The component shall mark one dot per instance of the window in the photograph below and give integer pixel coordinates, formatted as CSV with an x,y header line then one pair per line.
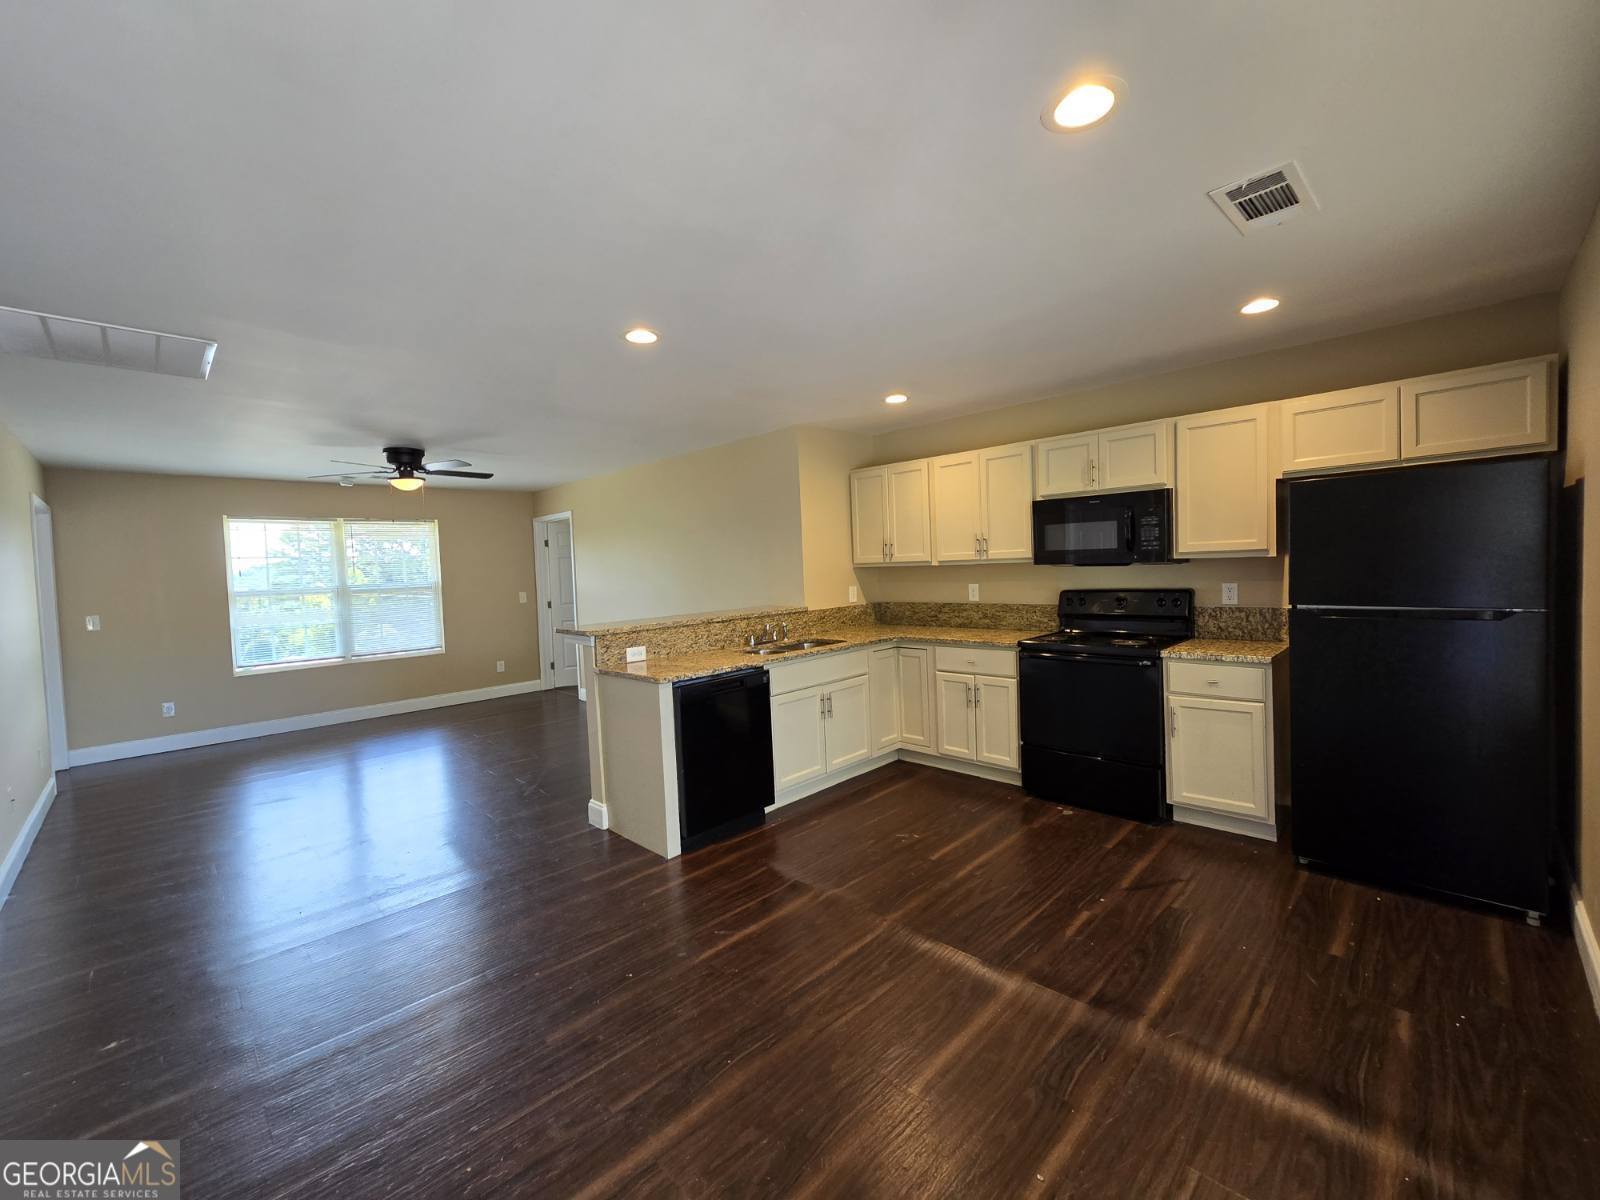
x,y
307,593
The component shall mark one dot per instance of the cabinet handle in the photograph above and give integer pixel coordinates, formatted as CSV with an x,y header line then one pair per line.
x,y
1174,713
891,551
977,695
1094,473
1213,683
986,546
822,706
830,706
969,695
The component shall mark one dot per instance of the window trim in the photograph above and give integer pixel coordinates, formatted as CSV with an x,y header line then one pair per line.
x,y
341,590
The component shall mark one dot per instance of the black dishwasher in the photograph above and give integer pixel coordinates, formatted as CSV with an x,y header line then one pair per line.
x,y
724,755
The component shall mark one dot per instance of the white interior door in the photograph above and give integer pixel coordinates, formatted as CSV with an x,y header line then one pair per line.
x,y
565,578
44,563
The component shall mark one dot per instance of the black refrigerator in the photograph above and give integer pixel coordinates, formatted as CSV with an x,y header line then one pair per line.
x,y
1421,731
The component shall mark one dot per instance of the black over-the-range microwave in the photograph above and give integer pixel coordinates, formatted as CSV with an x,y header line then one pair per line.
x,y
1104,531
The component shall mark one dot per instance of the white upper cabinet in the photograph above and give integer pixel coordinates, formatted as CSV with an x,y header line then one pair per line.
x,y
909,529
1226,503
1509,407
1131,458
1354,427
956,508
1005,496
889,513
1136,457
869,515
983,505
1066,464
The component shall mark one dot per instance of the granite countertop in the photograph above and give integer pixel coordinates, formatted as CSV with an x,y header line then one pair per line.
x,y
735,614
671,668
1225,650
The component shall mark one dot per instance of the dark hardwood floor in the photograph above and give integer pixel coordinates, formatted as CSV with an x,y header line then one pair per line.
x,y
393,959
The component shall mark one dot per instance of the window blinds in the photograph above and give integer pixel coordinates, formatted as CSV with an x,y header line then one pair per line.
x,y
308,592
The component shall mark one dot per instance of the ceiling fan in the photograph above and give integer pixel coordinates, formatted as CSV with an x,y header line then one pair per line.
x,y
406,470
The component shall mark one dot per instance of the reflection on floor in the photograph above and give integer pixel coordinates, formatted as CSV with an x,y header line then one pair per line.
x,y
393,958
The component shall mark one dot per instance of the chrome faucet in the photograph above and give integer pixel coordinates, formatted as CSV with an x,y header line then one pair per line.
x,y
769,635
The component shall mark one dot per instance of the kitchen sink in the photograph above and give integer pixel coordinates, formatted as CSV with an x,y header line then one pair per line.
x,y
789,647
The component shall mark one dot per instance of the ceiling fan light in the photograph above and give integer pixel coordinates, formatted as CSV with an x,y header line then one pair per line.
x,y
405,483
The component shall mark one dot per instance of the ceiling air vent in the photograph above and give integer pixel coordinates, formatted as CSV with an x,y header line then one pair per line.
x,y
69,339
1267,199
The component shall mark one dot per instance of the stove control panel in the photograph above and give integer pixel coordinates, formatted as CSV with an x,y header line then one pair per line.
x,y
1129,602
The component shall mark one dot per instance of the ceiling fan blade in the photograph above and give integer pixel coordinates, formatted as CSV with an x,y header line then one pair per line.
x,y
370,466
350,475
464,474
447,464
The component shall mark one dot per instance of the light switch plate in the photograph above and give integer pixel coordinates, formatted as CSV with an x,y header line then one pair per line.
x,y
500,665
972,591
92,624
522,597
1230,593
854,593
635,653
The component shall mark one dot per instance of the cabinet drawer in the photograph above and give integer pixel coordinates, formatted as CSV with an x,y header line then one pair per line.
x,y
1229,680
814,670
976,660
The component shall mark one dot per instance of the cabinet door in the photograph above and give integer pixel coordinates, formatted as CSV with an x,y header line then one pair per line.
x,y
957,514
1225,495
908,512
996,713
953,697
1005,476
916,697
883,681
1340,429
1503,407
869,515
1218,755
1063,466
848,731
798,751
1139,456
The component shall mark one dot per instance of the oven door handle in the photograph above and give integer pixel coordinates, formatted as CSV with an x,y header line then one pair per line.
x,y
1113,660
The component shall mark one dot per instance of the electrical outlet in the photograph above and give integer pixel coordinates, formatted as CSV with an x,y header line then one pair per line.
x,y
522,597
1230,593
972,591
854,593
168,709
500,666
92,624
635,653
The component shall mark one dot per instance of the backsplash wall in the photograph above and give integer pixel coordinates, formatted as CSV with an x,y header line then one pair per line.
x,y
1262,581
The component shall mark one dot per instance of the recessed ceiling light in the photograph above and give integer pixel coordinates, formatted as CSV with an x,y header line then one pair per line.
x,y
640,336
1260,304
897,398
1086,103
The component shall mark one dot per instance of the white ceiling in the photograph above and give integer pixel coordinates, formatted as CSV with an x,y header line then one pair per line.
x,y
433,221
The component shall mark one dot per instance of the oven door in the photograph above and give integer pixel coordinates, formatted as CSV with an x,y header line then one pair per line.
x,y
1085,531
1084,704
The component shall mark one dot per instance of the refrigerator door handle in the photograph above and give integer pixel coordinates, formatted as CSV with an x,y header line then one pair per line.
x,y
1354,613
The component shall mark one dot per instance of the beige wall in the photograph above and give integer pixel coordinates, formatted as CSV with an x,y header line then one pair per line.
x,y
1580,339
1515,329
826,458
24,737
145,552
712,530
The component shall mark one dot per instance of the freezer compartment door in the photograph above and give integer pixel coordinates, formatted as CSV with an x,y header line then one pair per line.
x,y
1421,751
1451,535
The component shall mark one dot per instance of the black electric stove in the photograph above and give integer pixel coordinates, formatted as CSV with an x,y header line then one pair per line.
x,y
1090,703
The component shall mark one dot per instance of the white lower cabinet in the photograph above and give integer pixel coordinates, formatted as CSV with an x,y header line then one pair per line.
x,y
978,719
915,696
883,682
1220,745
819,730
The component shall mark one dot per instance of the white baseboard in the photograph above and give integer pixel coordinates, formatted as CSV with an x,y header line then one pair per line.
x,y
960,766
1264,830
1588,948
235,733
599,816
12,867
